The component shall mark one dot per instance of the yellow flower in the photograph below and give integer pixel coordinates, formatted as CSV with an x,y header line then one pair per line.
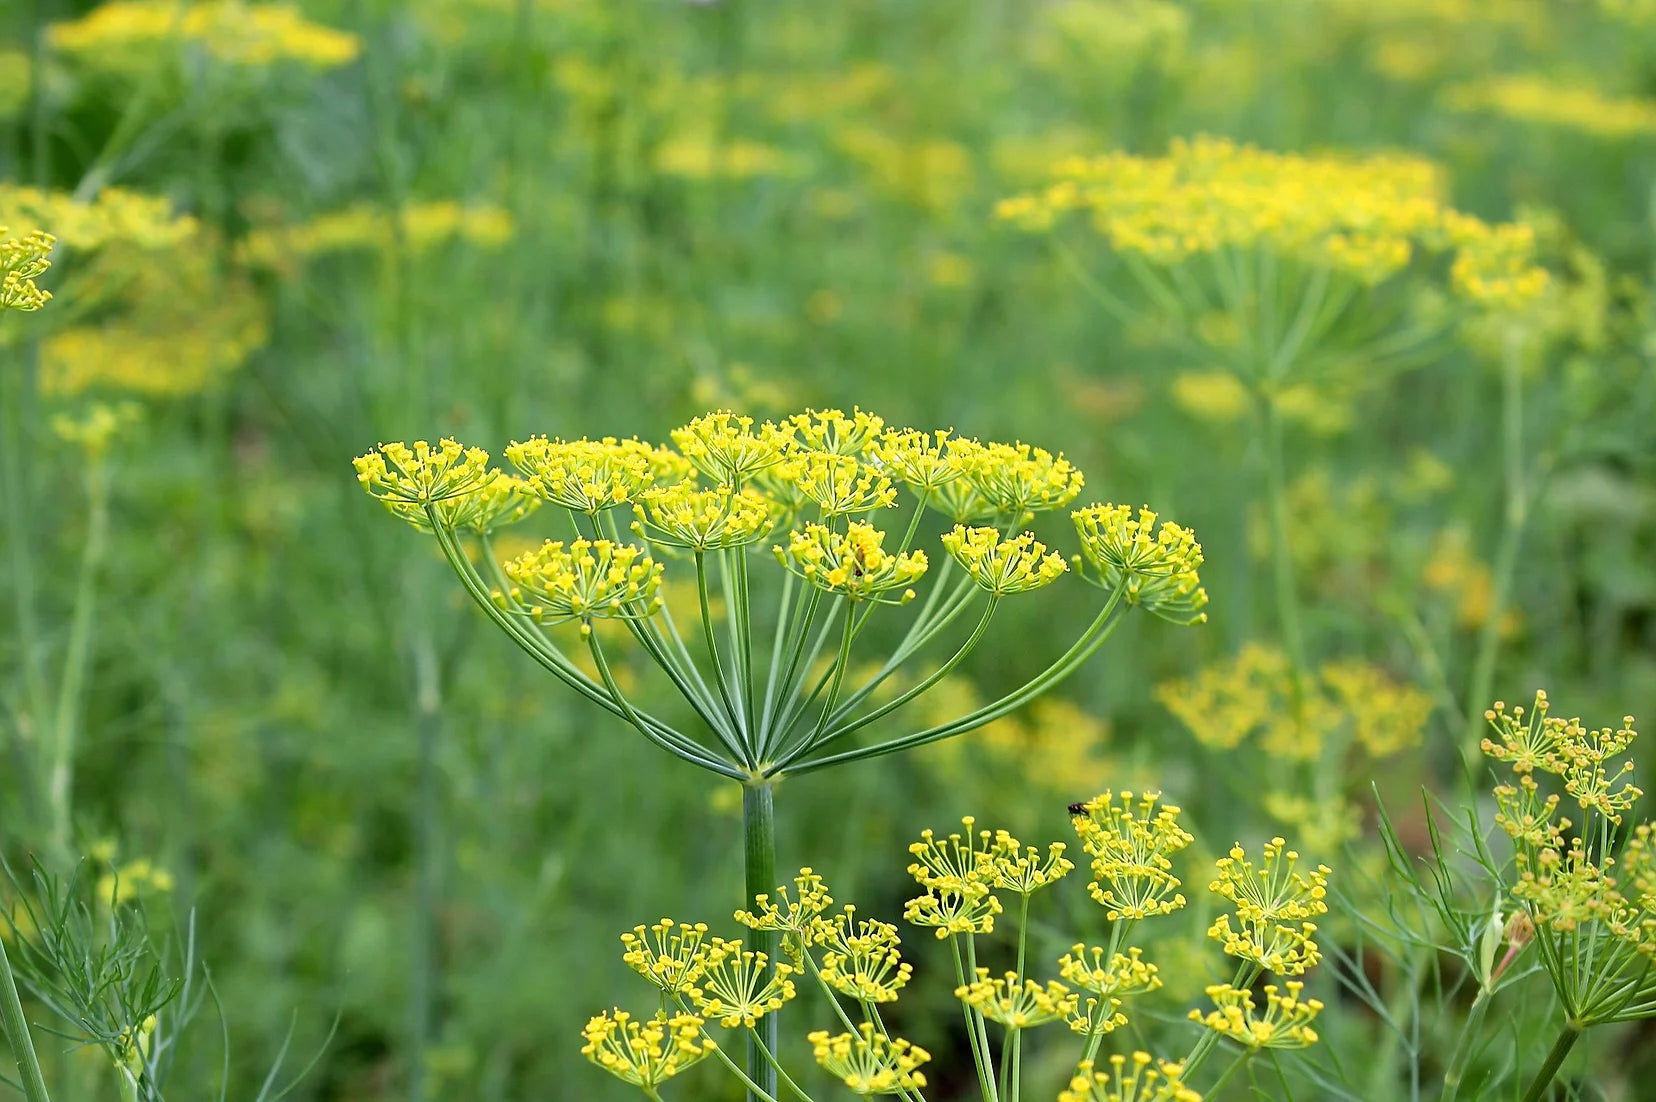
x,y
739,988
1140,1083
1132,846
423,475
502,501
869,1062
1573,105
94,432
728,449
584,581
114,35
922,460
1015,565
1285,1024
1013,867
22,261
671,957
1018,479
1123,975
1017,1003
1272,903
645,1054
837,484
862,958
831,430
587,476
418,227
702,520
129,881
1158,573
852,563
957,875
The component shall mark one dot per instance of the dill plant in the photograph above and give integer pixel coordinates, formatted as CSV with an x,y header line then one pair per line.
x,y
771,691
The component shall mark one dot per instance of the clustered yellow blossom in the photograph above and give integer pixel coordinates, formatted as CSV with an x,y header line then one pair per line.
x,y
498,503
683,516
1016,564
836,432
1017,479
853,562
869,1063
794,917
96,429
1158,572
1467,583
728,449
1364,217
1108,983
1273,904
1253,696
585,580
422,475
1132,843
129,881
1015,867
1139,1083
862,958
670,956
958,881
738,987
114,35
1571,105
1286,1022
418,227
1015,1002
587,476
921,460
645,1054
837,484
22,261
114,216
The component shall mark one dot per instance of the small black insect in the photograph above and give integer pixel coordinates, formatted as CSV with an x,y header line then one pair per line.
x,y
1078,808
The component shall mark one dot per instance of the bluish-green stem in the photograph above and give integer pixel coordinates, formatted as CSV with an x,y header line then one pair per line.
x,y
759,876
17,1034
980,1058
77,657
1016,1035
776,1065
1544,1076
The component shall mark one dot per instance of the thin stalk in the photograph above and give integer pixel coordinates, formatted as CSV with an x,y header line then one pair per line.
x,y
1236,1066
759,876
782,1072
977,1018
712,642
72,687
1462,1054
16,1028
1567,1038
1514,518
427,872
1282,561
980,1059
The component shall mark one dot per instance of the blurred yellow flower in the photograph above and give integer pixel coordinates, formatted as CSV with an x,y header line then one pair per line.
x,y
1573,106
115,35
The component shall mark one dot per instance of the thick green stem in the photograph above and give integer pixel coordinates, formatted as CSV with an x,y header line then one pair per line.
x,y
17,1034
759,876
1555,1059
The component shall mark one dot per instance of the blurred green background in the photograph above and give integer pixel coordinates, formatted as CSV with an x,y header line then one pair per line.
x,y
618,215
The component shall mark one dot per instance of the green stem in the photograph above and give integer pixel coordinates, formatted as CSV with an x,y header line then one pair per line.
x,y
980,1058
72,687
17,1034
759,876
1555,1058
1282,560
1462,1054
1236,1066
770,1057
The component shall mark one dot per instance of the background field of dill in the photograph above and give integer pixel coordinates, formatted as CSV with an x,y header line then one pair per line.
x,y
376,806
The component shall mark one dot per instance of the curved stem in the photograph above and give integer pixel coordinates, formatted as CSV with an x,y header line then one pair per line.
x,y
670,740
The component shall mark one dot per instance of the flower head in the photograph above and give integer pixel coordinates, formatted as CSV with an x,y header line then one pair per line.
x,y
587,476
22,261
645,1054
1157,572
862,959
869,1062
585,580
1139,1082
838,485
1272,903
831,430
1015,1002
852,562
739,987
502,501
1286,1022
422,475
1003,566
1018,479
1013,867
681,515
923,461
958,879
670,956
1132,845
728,449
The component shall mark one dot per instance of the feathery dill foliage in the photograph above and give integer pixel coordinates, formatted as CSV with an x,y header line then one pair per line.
x,y
967,879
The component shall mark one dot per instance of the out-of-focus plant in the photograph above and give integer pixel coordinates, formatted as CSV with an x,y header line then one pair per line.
x,y
812,484
969,880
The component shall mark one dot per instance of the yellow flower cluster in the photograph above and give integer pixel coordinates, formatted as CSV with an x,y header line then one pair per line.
x,y
682,516
958,879
1132,843
670,956
795,918
739,987
1456,574
1272,905
419,226
726,448
1018,479
645,1054
1286,1022
587,580
423,475
1139,1083
1253,696
95,430
22,261
869,1063
862,958
1003,566
115,36
836,432
837,484
1109,982
587,476
922,460
1158,572
114,217
1015,867
1015,1002
1573,106
128,882
852,562
1360,216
